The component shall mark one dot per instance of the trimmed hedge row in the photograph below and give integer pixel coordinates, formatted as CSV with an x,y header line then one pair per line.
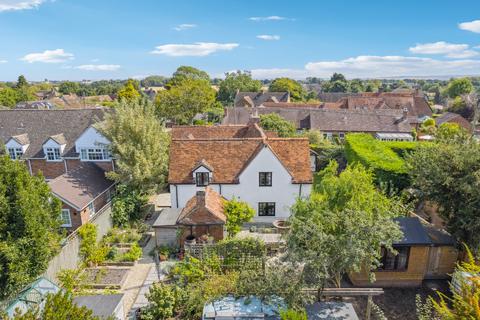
x,y
384,158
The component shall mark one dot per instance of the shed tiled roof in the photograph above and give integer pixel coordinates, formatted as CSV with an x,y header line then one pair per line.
x,y
81,185
254,99
416,232
40,125
228,156
206,207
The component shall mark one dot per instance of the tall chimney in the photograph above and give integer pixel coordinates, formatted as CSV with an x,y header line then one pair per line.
x,y
405,113
254,118
200,198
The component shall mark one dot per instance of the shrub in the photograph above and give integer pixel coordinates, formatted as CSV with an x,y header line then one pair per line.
x,y
291,314
90,252
237,212
384,158
127,205
274,122
133,254
71,280
161,300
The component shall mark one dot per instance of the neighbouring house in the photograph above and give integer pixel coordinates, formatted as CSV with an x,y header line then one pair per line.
x,y
425,252
255,99
84,192
450,117
333,122
32,296
35,105
104,306
243,162
203,215
54,141
70,153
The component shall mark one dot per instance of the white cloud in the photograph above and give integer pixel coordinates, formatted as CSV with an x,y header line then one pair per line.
x,y
198,49
268,37
185,26
473,26
48,56
98,67
440,47
376,67
269,18
463,54
13,5
3,61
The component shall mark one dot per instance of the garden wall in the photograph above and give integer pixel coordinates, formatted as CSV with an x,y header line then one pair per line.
x,y
68,257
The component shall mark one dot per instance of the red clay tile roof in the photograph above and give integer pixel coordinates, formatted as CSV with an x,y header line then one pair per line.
x,y
204,208
228,156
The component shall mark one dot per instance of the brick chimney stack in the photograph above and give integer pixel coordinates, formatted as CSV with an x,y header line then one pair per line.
x,y
200,198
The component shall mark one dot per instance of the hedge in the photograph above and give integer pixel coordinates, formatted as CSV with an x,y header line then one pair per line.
x,y
384,158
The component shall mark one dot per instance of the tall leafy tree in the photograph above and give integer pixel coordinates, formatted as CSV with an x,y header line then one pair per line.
x,y
181,102
448,173
29,226
129,91
139,143
8,97
238,213
274,122
68,87
186,72
297,93
342,226
236,81
22,82
458,87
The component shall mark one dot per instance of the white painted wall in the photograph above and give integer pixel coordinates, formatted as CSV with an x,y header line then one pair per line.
x,y
282,191
90,138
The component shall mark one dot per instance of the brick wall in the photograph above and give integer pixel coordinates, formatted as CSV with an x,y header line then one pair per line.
x,y
412,277
50,170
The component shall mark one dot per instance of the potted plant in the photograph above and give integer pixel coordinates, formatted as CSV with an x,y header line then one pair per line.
x,y
281,225
164,253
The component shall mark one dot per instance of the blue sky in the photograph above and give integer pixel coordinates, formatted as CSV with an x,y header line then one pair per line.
x,y
102,39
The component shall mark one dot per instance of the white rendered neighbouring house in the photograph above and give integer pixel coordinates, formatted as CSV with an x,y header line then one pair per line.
x,y
243,162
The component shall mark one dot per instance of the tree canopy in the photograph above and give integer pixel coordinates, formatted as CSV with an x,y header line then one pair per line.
x,y
139,143
342,226
448,173
236,81
186,72
274,122
457,87
182,101
237,212
297,93
129,91
29,226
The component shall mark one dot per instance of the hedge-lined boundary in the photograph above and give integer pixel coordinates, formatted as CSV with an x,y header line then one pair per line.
x,y
384,158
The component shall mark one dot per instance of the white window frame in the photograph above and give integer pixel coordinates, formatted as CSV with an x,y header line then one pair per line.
x,y
15,153
91,209
67,212
53,154
94,154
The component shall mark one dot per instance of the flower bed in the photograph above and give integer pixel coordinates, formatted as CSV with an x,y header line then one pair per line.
x,y
105,278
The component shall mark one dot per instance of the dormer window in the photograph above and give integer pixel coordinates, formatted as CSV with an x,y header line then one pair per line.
x,y
53,154
202,179
94,154
15,153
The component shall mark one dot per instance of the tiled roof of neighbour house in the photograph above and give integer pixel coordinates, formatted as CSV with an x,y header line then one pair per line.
x,y
242,115
80,186
254,99
35,105
40,125
59,138
334,96
359,121
291,105
22,139
229,155
455,118
418,232
206,207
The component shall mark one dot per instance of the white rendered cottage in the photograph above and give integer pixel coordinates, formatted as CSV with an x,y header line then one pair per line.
x,y
242,162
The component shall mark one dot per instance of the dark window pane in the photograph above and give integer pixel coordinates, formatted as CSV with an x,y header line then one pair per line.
x,y
266,208
202,179
265,179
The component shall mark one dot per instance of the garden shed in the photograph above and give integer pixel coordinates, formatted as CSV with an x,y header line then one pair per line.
x,y
425,252
203,216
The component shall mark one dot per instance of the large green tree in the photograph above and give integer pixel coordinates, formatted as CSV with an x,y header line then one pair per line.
x,y
236,81
342,226
29,226
182,101
68,87
139,143
448,173
129,91
187,72
8,97
297,93
274,122
458,87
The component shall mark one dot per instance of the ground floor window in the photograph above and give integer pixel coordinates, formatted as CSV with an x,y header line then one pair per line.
x,y
91,209
66,219
395,262
266,208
